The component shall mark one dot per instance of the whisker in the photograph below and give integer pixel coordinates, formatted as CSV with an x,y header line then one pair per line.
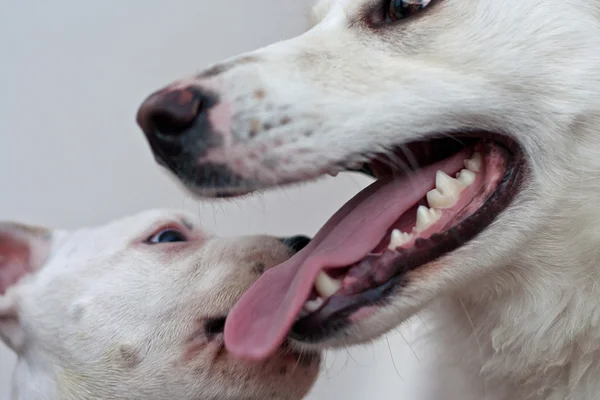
x,y
393,361
479,347
408,344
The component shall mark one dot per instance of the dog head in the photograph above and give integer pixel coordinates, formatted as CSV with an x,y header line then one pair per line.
x,y
135,310
470,115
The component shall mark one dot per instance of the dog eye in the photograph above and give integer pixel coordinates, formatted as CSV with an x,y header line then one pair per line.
x,y
167,236
400,9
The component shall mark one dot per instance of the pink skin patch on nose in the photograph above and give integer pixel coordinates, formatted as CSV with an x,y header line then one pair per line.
x,y
219,117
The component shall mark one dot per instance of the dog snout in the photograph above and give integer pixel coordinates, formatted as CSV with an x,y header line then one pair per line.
x,y
296,243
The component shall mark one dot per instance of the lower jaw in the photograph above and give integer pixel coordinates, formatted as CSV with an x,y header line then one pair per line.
x,y
369,283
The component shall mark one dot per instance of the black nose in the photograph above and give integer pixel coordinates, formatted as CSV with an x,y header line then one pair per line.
x,y
296,243
168,113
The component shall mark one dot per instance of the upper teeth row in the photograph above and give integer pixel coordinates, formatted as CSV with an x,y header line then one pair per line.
x,y
445,195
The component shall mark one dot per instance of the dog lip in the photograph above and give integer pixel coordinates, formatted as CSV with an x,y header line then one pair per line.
x,y
228,184
336,312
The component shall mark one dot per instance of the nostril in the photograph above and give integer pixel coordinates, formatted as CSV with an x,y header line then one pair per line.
x,y
296,243
170,124
170,112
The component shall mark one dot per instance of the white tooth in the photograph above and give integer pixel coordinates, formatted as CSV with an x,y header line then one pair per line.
x,y
399,239
426,217
436,199
466,177
326,286
313,305
474,163
446,184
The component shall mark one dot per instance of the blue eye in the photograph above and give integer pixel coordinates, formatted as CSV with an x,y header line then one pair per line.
x,y
400,9
167,236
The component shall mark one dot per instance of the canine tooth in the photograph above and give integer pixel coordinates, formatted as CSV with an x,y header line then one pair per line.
x,y
313,305
426,217
326,286
399,239
474,163
446,184
436,199
466,177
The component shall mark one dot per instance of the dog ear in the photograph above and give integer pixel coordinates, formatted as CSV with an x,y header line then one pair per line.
x,y
23,251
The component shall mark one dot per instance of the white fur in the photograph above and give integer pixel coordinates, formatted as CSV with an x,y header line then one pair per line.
x,y
105,316
519,306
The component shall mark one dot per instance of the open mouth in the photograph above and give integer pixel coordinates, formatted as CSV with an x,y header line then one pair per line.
x,y
429,198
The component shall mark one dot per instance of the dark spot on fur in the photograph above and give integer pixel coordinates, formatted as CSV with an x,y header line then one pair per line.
x,y
254,128
285,120
129,356
308,133
267,126
283,371
259,94
214,71
259,268
221,68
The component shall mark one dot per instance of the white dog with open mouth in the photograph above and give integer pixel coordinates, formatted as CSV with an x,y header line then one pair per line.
x,y
135,310
479,119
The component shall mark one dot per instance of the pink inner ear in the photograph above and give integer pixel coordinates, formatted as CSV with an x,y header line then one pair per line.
x,y
14,261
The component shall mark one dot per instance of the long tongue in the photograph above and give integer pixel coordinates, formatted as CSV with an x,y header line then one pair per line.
x,y
259,323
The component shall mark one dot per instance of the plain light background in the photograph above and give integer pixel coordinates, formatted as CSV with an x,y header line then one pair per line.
x,y
72,74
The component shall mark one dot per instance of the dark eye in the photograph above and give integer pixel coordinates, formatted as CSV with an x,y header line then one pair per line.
x,y
400,9
167,236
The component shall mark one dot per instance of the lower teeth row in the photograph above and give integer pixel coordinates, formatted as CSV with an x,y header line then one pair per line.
x,y
445,195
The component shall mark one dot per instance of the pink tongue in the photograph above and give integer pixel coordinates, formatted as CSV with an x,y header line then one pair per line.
x,y
259,323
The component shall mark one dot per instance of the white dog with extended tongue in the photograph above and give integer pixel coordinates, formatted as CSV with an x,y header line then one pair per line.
x,y
135,310
506,93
